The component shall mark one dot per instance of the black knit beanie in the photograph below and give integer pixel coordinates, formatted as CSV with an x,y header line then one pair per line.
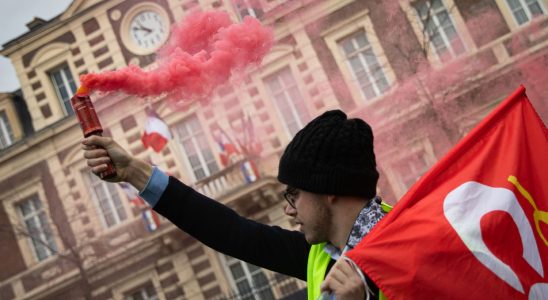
x,y
331,155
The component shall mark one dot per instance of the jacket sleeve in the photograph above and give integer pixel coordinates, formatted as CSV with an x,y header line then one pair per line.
x,y
222,229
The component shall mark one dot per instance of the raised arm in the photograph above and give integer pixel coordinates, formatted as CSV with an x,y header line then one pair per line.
x,y
212,223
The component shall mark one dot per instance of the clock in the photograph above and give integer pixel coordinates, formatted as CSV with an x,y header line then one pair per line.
x,y
145,28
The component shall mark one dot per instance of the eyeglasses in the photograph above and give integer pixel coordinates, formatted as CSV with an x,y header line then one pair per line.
x,y
291,194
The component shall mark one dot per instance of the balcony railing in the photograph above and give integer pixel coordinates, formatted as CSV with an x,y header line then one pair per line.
x,y
228,180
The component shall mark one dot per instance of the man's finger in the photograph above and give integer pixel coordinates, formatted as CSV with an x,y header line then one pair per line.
x,y
98,169
95,153
94,162
330,285
88,147
338,276
97,140
345,267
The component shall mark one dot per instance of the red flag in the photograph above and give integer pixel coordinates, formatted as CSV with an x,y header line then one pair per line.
x,y
156,134
475,226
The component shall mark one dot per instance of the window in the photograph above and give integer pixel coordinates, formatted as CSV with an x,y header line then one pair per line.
x,y
289,101
6,134
440,30
37,227
146,292
200,158
108,201
410,168
248,8
64,86
525,10
250,281
364,64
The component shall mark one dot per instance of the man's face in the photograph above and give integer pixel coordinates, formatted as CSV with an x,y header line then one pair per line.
x,y
311,213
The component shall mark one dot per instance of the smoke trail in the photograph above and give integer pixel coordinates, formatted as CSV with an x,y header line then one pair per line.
x,y
201,54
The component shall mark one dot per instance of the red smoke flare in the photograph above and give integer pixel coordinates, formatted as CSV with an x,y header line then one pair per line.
x,y
201,54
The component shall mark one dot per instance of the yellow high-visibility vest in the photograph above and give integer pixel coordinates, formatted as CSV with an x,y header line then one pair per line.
x,y
318,260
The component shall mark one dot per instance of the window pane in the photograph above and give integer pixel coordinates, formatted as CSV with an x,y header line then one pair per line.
x,y
200,174
57,79
243,287
237,271
521,17
32,225
369,57
37,227
194,161
535,9
6,133
64,86
275,85
25,208
189,147
438,42
108,201
285,91
182,131
514,4
63,92
441,30
436,4
444,20
362,41
40,249
365,66
382,84
423,11
198,153
212,167
109,219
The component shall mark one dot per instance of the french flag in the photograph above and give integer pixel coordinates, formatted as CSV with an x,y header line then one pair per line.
x,y
249,169
156,134
228,151
132,195
151,220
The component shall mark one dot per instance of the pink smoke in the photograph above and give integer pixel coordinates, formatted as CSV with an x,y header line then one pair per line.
x,y
201,54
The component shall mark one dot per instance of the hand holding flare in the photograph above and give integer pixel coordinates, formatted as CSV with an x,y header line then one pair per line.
x,y
89,122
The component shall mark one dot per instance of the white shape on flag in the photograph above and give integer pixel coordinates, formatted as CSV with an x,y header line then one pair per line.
x,y
467,204
538,291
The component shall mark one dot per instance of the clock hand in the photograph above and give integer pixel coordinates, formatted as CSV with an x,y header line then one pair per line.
x,y
143,27
148,31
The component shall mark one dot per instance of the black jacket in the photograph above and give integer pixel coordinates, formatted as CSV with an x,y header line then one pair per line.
x,y
219,227
222,229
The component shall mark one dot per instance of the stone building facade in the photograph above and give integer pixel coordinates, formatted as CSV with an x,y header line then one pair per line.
x,y
423,73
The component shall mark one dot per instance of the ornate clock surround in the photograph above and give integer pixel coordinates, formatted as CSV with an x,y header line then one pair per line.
x,y
127,27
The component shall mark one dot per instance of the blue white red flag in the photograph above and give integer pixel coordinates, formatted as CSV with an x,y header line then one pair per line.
x,y
156,134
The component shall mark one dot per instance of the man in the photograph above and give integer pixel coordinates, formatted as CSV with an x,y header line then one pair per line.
x,y
330,171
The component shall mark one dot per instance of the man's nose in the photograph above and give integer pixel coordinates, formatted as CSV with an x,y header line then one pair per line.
x,y
290,211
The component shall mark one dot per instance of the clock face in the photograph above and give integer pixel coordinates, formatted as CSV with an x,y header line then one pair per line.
x,y
148,30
